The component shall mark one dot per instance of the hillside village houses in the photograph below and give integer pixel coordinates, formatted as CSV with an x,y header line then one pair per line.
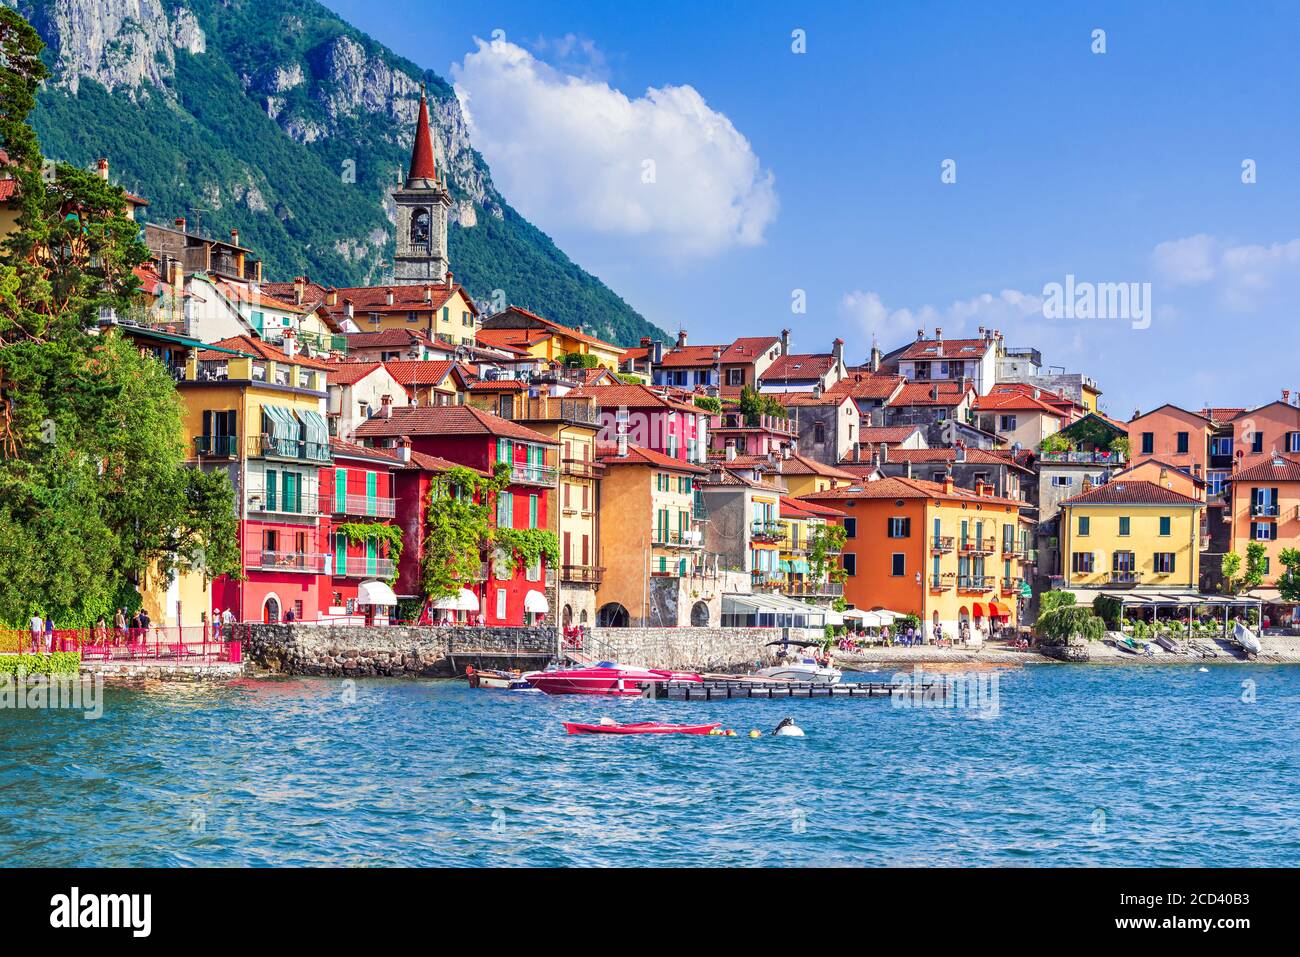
x,y
681,484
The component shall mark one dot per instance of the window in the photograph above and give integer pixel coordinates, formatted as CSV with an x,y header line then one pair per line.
x,y
819,433
1084,524
1263,531
1166,524
900,528
898,564
850,563
735,377
1081,563
1293,441
1214,481
1006,423
1221,445
1257,443
532,511
1148,443
1062,481
1182,443
412,317
505,510
1122,562
938,477
1125,525
850,528
501,603
1164,563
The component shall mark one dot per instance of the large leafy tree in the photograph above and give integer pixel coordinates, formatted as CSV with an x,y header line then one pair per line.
x,y
93,485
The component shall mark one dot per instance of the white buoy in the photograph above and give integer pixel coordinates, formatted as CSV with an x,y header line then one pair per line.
x,y
788,729
1203,669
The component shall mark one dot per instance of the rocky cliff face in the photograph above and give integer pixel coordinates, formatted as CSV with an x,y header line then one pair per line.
x,y
277,117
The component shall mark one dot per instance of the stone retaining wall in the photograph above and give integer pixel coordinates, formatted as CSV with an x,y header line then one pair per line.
x,y
301,649
691,649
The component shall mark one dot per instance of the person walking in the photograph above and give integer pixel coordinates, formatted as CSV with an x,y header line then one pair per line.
x,y
49,633
38,626
119,627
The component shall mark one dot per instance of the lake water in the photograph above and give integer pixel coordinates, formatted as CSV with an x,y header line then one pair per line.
x,y
1080,765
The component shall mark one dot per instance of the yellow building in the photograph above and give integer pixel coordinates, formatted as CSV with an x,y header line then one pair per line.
x,y
572,423
801,524
650,536
518,329
1131,533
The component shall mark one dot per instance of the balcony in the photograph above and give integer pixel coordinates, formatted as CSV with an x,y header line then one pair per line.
x,y
1083,458
978,546
1125,578
942,545
670,539
978,584
769,532
1011,586
216,446
553,409
305,504
769,423
1263,510
274,447
364,505
802,588
1013,550
354,566
942,583
580,468
766,581
533,475
582,574
305,562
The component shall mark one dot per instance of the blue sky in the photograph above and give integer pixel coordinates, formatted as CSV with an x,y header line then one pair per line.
x,y
779,171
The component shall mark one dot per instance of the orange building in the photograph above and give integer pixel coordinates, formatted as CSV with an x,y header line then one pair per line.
x,y
1173,435
1265,507
1258,434
945,554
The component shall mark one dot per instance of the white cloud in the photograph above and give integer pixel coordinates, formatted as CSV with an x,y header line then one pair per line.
x,y
571,153
1006,311
1241,277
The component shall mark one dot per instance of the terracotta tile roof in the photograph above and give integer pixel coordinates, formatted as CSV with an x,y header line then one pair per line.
x,y
607,454
1015,402
1281,469
1133,466
931,393
798,464
264,350
792,399
1221,416
744,350
257,295
946,456
899,487
8,189
498,385
809,508
397,338
798,366
1176,408
1131,493
888,434
422,371
446,420
747,349
366,299
947,349
631,396
867,385
688,356
553,328
341,449
349,373
590,376
512,338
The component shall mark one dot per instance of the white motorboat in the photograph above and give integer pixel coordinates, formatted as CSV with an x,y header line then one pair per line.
x,y
1247,639
802,669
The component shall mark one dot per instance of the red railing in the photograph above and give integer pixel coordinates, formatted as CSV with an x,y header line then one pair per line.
x,y
191,643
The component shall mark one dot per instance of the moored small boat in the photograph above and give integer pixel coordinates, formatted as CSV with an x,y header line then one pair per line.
x,y
1169,643
1131,645
803,670
1248,640
490,678
638,727
606,678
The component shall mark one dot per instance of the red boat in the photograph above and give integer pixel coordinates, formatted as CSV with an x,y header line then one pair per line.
x,y
640,727
605,678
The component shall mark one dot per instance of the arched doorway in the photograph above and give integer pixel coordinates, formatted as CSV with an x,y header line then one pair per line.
x,y
612,615
700,615
271,610
567,616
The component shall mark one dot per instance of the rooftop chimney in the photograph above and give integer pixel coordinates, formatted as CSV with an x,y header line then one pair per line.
x,y
681,338
622,445
949,486
959,453
386,406
983,489
347,308
785,342
938,335
731,451
875,355
837,350
299,285
234,237
1286,396
388,297
920,335
817,389
101,168
331,297
403,447
180,223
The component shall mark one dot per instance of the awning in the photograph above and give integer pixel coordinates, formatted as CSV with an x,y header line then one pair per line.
x,y
283,424
466,600
760,604
977,609
375,593
318,432
535,603
999,610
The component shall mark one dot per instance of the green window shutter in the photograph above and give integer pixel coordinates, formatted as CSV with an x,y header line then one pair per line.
x,y
270,489
340,491
340,554
372,485
532,511
371,556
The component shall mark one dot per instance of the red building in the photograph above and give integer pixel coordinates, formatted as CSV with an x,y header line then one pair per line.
x,y
360,489
443,436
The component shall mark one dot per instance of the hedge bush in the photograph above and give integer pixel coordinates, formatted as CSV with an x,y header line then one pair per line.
x,y
41,663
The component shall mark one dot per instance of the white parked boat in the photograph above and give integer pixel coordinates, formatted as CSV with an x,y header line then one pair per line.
x,y
803,669
1247,639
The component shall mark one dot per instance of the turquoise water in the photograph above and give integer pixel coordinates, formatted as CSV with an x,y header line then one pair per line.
x,y
1079,766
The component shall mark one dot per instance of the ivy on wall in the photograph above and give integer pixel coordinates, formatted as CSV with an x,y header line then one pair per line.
x,y
358,533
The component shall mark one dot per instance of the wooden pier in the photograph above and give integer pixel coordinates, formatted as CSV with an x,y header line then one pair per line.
x,y
715,690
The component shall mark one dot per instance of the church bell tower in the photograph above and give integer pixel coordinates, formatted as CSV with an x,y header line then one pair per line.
x,y
422,207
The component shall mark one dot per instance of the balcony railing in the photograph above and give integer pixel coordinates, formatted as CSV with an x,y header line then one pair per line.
x,y
975,583
942,583
305,562
1083,458
1011,586
736,420
1013,550
1264,509
272,446
671,539
802,588
217,446
1125,578
767,580
978,546
553,410
942,544
367,505
533,475
305,503
765,531
359,566
584,574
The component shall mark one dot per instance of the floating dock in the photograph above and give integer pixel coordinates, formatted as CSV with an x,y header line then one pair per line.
x,y
714,690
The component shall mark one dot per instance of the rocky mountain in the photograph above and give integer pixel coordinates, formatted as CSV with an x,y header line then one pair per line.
x,y
278,118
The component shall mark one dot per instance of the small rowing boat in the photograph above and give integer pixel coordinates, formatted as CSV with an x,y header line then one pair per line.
x,y
639,727
490,678
1248,640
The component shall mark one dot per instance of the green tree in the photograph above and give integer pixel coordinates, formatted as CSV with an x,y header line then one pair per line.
x,y
1256,561
1288,583
754,404
1230,566
1052,600
93,485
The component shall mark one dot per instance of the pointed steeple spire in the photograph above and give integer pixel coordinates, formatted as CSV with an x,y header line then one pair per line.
x,y
422,166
